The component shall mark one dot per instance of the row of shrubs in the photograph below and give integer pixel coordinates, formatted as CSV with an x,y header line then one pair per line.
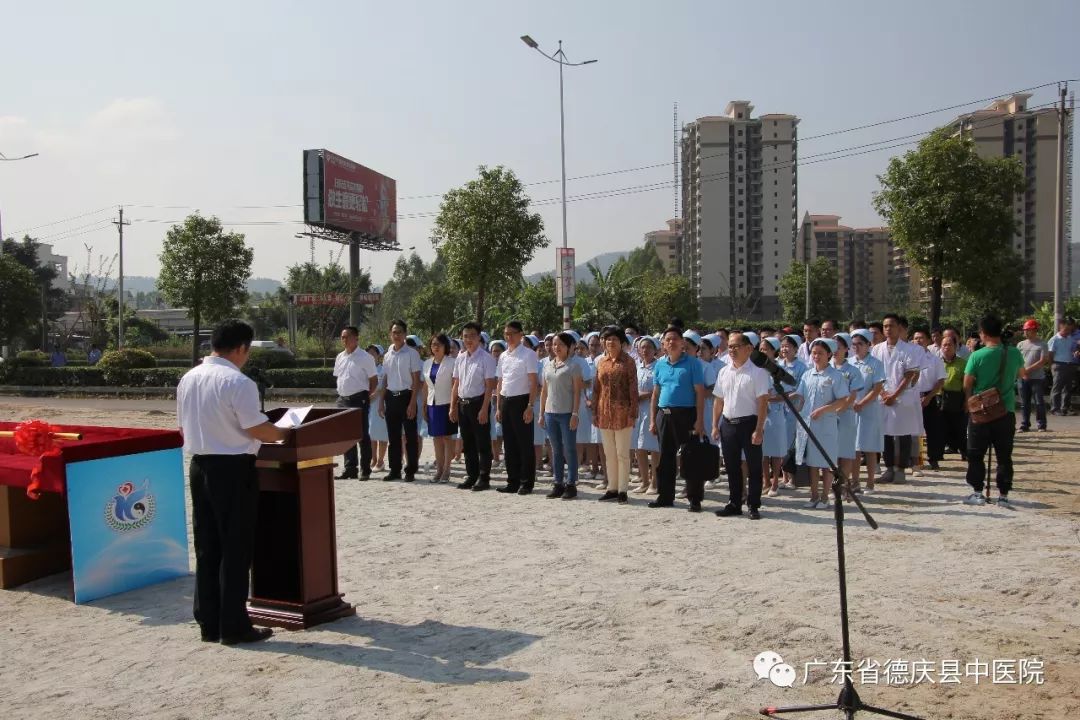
x,y
98,376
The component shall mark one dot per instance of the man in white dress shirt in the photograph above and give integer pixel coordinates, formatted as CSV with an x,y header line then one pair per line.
x,y
902,415
931,381
470,407
811,332
357,377
517,389
738,422
217,408
401,368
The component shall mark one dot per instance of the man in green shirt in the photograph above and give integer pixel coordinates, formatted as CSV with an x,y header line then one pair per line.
x,y
953,405
985,370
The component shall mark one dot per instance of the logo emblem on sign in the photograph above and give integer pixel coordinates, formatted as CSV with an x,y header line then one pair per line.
x,y
131,508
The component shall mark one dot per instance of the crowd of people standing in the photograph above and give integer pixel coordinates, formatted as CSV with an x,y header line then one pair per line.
x,y
613,403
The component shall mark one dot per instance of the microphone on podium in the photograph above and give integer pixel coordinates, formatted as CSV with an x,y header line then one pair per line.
x,y
778,373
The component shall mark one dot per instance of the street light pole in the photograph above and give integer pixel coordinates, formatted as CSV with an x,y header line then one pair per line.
x,y
560,58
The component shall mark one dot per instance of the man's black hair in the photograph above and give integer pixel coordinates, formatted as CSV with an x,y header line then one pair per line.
x,y
677,323
632,326
876,326
902,319
471,326
231,335
673,329
990,325
812,321
352,329
894,317
401,324
515,324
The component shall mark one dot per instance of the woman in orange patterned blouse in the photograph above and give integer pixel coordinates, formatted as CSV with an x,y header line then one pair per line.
x,y
615,409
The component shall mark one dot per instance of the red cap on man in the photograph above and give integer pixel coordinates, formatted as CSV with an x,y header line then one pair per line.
x,y
1031,324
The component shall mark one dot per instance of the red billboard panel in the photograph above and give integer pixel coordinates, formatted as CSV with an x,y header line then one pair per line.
x,y
344,195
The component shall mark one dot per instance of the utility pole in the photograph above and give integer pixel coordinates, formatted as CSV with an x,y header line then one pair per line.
x,y
120,285
1059,211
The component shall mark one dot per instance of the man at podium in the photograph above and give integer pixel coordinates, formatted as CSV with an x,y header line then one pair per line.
x,y
217,408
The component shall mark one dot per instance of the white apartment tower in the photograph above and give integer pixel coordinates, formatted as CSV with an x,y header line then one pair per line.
x,y
739,199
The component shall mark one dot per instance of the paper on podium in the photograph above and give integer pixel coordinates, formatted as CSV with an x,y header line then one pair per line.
x,y
293,417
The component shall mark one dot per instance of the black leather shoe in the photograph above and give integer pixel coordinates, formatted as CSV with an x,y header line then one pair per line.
x,y
728,510
364,476
346,476
525,489
556,491
209,636
390,477
623,499
608,496
508,488
467,484
754,514
658,504
409,478
570,492
482,485
254,635
695,506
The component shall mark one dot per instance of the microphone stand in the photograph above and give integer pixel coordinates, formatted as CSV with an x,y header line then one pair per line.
x,y
848,701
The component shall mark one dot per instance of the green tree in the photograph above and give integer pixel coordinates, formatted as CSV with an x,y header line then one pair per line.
x,y
824,297
19,299
323,322
950,210
643,262
25,252
665,298
537,306
205,270
433,310
488,235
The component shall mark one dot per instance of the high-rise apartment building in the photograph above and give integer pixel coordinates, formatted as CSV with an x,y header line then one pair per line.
x,y
739,200
863,257
668,245
1007,128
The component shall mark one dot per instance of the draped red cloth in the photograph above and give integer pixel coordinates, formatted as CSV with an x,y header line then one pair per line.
x,y
45,472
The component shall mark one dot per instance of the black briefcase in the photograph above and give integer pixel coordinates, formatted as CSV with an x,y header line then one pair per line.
x,y
699,460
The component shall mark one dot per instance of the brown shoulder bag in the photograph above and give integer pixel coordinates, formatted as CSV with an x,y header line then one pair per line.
x,y
986,407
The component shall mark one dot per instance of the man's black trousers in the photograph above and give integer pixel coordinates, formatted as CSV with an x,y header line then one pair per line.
x,y
397,407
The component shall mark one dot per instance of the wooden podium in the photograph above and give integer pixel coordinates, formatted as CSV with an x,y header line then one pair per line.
x,y
294,578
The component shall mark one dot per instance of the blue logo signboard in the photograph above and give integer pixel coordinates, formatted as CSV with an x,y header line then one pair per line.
x,y
128,522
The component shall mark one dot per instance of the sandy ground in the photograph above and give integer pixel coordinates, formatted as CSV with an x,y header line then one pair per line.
x,y
489,606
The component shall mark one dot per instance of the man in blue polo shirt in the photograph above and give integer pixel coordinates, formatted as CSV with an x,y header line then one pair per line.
x,y
676,411
1062,348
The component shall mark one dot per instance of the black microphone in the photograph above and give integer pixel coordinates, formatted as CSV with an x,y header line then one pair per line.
x,y
778,373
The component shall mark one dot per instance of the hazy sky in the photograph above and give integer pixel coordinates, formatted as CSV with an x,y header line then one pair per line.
x,y
166,107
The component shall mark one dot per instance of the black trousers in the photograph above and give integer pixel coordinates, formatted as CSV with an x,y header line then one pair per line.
x,y
935,431
475,438
358,400
397,406
736,438
897,451
674,425
224,506
998,434
517,441
954,421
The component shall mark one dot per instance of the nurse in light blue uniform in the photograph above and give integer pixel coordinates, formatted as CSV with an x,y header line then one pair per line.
x,y
847,419
789,360
645,444
823,391
775,445
869,430
496,348
377,424
585,428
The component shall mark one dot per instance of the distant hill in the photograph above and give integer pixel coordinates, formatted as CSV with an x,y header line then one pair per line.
x,y
142,283
581,272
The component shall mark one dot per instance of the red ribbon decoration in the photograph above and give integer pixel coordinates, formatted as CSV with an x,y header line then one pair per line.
x,y
34,437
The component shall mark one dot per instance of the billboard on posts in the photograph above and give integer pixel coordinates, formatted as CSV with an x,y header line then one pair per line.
x,y
343,195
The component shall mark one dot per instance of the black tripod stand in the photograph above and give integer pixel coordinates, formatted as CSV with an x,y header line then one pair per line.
x,y
849,701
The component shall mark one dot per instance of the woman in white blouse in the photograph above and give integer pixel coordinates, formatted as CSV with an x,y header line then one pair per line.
x,y
438,375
